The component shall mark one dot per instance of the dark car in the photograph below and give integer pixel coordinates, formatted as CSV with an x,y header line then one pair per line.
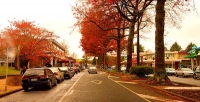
x,y
58,73
37,77
68,72
76,69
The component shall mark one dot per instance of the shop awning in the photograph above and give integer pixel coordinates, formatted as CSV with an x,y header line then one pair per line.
x,y
189,56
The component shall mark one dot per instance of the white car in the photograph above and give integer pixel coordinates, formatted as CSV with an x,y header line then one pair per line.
x,y
92,70
185,72
170,71
123,68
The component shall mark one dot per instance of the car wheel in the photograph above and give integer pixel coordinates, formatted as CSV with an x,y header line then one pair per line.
x,y
60,80
55,83
183,75
69,77
50,84
194,76
25,88
176,75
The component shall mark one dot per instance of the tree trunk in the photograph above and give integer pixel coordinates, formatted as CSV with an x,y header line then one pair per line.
x,y
118,55
130,43
159,71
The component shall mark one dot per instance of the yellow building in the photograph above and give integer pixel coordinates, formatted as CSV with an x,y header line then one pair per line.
x,y
172,59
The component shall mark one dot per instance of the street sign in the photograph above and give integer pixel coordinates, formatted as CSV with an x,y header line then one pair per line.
x,y
125,57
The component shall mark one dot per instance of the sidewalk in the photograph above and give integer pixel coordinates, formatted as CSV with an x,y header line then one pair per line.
x,y
10,89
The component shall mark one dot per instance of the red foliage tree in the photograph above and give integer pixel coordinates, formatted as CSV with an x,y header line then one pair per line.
x,y
30,42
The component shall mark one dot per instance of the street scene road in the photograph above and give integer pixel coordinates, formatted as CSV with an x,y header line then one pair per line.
x,y
85,87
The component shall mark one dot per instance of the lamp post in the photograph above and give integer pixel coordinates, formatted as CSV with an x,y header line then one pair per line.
x,y
10,53
172,63
96,61
6,68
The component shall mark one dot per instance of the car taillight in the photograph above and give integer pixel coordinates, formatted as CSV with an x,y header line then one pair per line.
x,y
24,78
68,72
44,76
56,73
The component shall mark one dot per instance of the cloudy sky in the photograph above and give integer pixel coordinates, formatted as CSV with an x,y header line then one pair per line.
x,y
56,15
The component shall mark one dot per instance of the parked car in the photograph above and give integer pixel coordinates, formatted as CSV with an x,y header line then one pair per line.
x,y
170,71
37,77
196,72
123,67
68,72
92,70
58,73
113,67
76,69
185,72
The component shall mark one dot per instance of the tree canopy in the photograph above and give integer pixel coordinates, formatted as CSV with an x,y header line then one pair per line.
x,y
175,47
29,41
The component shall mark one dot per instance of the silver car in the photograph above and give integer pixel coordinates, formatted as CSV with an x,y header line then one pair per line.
x,y
170,71
58,73
196,72
185,72
92,70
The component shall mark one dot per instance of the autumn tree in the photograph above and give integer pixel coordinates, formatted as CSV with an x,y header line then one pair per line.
x,y
159,70
175,47
189,47
30,41
107,20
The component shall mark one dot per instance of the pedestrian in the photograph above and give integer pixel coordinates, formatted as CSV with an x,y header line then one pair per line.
x,y
23,70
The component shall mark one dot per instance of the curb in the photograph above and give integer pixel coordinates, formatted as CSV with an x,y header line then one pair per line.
x,y
169,93
10,92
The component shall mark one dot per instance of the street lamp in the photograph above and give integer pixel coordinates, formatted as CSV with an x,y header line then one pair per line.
x,y
10,53
96,61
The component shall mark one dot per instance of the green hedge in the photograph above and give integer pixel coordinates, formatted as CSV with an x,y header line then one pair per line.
x,y
141,71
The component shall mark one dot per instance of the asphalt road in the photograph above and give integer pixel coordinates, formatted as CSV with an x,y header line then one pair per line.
x,y
85,87
99,88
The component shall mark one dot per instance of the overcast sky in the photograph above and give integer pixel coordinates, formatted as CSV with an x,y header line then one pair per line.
x,y
56,15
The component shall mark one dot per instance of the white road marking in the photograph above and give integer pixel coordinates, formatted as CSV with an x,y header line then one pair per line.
x,y
142,95
69,91
185,88
125,82
96,81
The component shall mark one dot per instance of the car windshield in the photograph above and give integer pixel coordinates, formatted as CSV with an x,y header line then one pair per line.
x,y
63,68
170,69
92,67
34,72
54,69
197,69
186,69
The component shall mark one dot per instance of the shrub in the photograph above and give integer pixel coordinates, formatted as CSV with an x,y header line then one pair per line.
x,y
141,71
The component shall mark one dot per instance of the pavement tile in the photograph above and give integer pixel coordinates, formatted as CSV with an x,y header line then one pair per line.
x,y
5,90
